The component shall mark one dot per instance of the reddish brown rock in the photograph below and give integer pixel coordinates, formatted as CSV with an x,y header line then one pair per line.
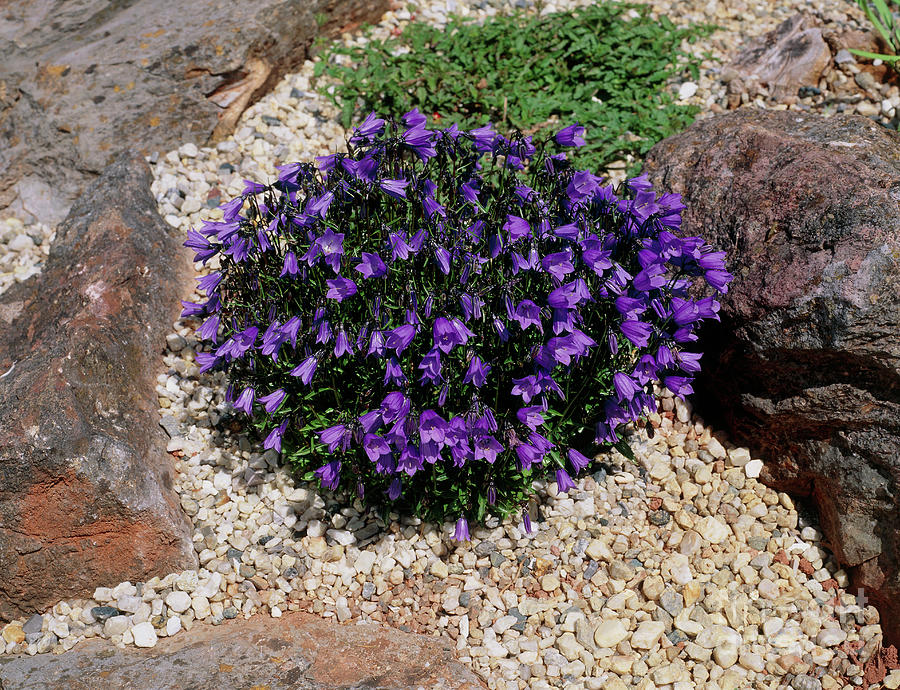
x,y
805,365
86,495
296,652
81,82
792,55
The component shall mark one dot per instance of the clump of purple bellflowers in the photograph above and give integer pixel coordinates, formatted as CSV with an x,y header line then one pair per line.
x,y
437,318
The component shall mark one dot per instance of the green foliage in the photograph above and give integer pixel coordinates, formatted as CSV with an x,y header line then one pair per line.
x,y
595,66
886,24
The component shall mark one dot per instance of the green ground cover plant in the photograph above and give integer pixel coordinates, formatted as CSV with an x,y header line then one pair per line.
x,y
608,67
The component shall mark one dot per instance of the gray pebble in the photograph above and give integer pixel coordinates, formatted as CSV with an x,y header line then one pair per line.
x,y
34,624
170,426
102,613
806,683
671,601
659,517
758,543
485,548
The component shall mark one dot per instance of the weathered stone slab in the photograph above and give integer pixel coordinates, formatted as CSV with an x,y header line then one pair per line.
x,y
82,81
805,365
297,651
86,495
792,55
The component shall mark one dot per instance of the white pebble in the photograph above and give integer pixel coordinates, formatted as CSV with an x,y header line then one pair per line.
x,y
144,635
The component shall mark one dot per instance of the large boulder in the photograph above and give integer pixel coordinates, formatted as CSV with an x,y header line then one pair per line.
x,y
81,82
86,486
805,365
295,652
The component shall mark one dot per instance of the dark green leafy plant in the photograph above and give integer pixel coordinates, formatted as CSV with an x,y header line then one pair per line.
x,y
594,65
884,21
439,317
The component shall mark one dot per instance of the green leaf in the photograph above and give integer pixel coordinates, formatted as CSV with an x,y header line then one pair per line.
x,y
625,449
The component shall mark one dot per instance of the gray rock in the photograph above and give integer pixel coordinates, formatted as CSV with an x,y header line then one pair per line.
x,y
170,426
82,82
758,543
485,548
659,517
843,57
620,571
34,624
671,601
866,81
102,613
794,54
806,683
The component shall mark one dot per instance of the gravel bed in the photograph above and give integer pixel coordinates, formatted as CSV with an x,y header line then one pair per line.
x,y
680,571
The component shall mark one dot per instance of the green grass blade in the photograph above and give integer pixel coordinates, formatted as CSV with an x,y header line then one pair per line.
x,y
876,56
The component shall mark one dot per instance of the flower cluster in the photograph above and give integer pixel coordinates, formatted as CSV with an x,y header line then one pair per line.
x,y
437,317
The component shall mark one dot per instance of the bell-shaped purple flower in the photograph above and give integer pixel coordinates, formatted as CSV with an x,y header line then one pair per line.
x,y
290,329
432,427
273,440
564,481
527,314
318,206
625,386
531,416
289,268
399,248
342,345
487,448
517,228
273,400
462,530
477,372
334,436
331,246
637,332
399,338
210,329
431,367
330,474
579,460
395,489
371,265
305,370
245,400
340,288
446,337
679,385
394,188
528,455
370,128
570,136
